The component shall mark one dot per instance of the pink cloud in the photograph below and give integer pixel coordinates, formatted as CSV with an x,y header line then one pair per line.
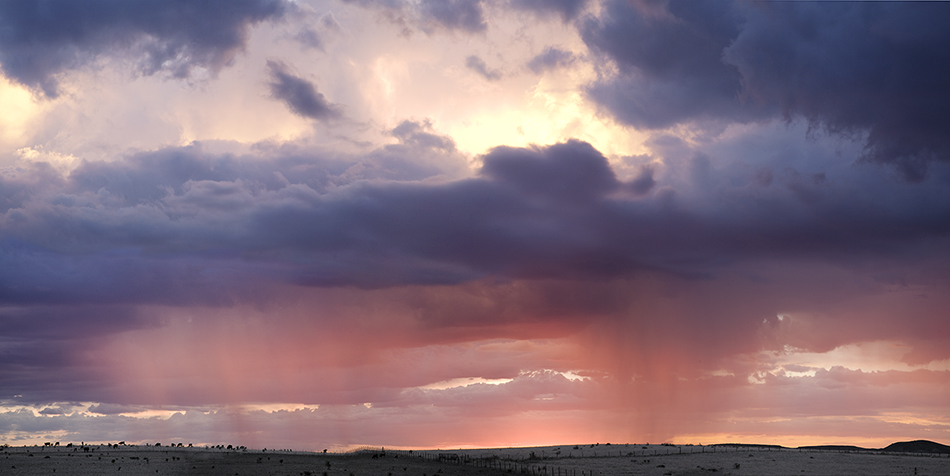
x,y
665,356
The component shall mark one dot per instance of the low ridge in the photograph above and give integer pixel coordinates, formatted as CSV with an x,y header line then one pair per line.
x,y
836,448
918,446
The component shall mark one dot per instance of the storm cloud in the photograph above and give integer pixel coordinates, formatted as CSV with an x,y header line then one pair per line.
x,y
670,60
136,231
42,39
431,16
875,69
358,279
566,9
464,15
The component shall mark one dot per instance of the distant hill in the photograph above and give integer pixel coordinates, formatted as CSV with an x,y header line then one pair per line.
x,y
835,448
748,445
917,446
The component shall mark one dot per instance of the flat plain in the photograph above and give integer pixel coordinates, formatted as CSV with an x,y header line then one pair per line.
x,y
570,460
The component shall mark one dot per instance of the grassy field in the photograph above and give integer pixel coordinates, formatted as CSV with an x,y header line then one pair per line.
x,y
571,460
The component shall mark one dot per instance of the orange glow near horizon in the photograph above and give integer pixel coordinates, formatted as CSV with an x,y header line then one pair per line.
x,y
332,367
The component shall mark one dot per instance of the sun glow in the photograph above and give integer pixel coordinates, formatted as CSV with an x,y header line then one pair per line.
x,y
550,111
19,112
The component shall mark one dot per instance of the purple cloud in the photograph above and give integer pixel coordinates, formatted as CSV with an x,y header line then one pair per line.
x,y
464,15
432,15
478,65
179,225
549,59
846,68
300,95
43,39
566,9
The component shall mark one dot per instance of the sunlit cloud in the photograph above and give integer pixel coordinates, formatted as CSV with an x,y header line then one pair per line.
x,y
464,382
876,356
19,111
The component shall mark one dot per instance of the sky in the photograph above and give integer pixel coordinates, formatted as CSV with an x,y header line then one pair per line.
x,y
474,223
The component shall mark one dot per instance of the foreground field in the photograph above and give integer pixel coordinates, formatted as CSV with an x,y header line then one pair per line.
x,y
581,460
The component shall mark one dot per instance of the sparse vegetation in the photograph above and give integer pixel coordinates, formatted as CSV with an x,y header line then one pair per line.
x,y
599,461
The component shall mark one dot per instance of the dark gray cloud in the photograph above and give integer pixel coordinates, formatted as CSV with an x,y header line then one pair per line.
x,y
643,182
300,95
44,38
549,59
181,226
52,323
572,172
464,15
40,344
478,65
87,257
869,70
431,15
421,134
566,9
670,61
878,68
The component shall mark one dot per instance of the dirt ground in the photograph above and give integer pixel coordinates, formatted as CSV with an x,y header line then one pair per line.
x,y
550,461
